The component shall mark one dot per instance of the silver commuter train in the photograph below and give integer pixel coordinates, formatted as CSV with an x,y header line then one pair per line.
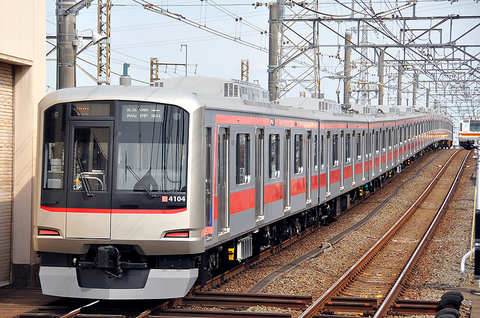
x,y
469,132
142,190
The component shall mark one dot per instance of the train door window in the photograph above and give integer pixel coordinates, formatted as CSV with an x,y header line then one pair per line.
x,y
274,156
54,148
315,158
286,177
90,159
322,156
368,144
389,139
335,150
208,178
223,185
401,135
383,141
359,146
348,156
259,171
298,153
377,143
243,158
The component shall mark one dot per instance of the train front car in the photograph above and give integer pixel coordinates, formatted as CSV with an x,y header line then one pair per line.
x,y
114,198
469,132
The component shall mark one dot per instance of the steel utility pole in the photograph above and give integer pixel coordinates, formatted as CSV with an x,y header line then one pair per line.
x,y
103,51
67,11
273,53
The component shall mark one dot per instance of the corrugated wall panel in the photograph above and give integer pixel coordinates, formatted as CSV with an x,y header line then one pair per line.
x,y
6,170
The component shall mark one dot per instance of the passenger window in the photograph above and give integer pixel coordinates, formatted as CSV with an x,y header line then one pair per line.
x,y
348,156
243,158
274,156
298,154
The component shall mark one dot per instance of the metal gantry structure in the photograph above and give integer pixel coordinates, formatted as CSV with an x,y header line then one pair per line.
x,y
368,52
103,51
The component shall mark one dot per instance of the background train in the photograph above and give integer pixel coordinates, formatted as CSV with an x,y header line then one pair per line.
x,y
143,190
469,132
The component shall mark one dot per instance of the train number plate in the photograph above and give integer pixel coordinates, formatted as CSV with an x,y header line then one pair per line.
x,y
173,198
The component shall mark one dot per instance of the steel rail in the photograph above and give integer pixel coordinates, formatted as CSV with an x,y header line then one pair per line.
x,y
248,300
396,289
352,272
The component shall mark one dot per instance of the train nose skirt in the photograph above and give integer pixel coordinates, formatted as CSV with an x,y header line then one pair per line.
x,y
159,284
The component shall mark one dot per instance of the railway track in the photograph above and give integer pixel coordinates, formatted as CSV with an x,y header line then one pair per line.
x,y
376,275
242,301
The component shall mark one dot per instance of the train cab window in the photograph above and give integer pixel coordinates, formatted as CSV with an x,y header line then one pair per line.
x,y
274,156
348,156
243,159
152,148
90,158
359,146
298,154
474,125
335,150
54,148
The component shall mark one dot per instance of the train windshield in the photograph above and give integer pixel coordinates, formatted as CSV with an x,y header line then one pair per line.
x,y
104,146
474,125
152,148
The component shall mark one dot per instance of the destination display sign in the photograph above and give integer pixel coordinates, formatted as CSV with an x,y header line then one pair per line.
x,y
142,113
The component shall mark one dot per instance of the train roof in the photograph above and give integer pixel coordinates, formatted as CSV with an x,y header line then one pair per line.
x,y
212,93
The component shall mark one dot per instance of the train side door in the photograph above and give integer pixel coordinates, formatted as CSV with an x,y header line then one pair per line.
x,y
328,163
286,177
223,190
89,180
308,166
259,174
208,180
341,157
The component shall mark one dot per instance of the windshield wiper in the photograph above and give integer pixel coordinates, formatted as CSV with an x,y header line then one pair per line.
x,y
141,182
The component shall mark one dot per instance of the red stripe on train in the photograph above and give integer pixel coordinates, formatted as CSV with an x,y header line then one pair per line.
x,y
113,211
